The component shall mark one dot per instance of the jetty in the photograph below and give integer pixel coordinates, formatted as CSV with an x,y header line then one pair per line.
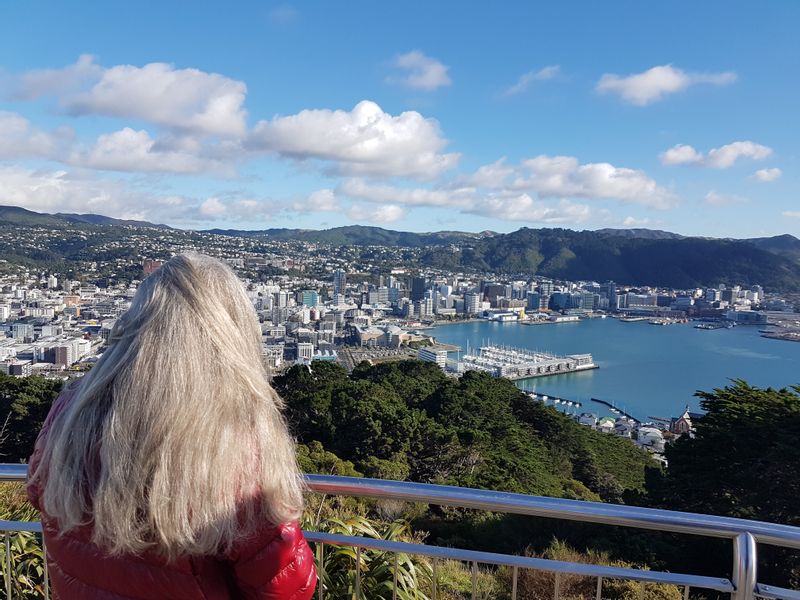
x,y
516,363
616,410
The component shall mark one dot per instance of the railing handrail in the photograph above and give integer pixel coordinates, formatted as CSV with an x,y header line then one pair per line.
x,y
638,517
559,508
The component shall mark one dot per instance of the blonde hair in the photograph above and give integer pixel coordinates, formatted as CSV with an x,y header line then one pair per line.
x,y
175,441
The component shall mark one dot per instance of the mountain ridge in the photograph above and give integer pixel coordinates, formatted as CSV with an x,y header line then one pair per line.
x,y
642,256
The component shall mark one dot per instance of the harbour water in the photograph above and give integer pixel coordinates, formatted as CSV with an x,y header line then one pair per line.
x,y
644,369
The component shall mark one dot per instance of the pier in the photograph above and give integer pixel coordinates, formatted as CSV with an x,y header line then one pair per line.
x,y
614,409
516,363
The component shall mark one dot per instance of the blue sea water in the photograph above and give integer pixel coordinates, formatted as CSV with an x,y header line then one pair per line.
x,y
646,370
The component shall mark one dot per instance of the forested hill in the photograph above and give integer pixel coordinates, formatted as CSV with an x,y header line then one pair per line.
x,y
575,255
408,420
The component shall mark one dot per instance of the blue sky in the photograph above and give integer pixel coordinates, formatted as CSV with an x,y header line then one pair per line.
x,y
421,116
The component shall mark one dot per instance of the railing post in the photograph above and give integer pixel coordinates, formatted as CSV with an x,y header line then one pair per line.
x,y
745,562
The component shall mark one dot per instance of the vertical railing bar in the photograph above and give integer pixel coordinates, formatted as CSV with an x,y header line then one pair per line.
x,y
46,573
599,594
8,566
745,563
358,572
686,592
557,590
394,577
434,590
514,575
641,590
321,573
474,579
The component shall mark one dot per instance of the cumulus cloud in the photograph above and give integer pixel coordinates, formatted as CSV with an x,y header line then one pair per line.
x,y
634,222
493,176
564,176
319,201
363,141
527,79
70,191
767,175
43,82
723,157
654,84
508,205
19,139
131,150
715,198
187,100
422,72
387,213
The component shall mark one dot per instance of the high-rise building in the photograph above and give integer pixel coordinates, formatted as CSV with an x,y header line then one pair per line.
x,y
418,287
339,281
472,303
309,298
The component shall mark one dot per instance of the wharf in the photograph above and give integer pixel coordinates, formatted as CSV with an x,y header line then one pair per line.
x,y
515,363
614,409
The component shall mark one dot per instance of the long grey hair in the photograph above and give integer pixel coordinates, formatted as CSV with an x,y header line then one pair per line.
x,y
175,442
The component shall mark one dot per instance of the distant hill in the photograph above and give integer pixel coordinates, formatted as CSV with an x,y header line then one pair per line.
x,y
92,219
785,245
641,256
361,235
644,234
21,217
585,255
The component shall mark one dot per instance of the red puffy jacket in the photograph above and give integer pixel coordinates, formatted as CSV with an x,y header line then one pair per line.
x,y
276,564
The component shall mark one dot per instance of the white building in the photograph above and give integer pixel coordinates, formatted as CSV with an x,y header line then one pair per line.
x,y
434,355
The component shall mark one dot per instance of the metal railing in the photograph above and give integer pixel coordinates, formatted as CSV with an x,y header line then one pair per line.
x,y
743,534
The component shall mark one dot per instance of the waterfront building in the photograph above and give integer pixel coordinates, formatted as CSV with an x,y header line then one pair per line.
x,y
434,355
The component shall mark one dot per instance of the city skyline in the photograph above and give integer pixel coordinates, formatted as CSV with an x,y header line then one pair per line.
x,y
315,116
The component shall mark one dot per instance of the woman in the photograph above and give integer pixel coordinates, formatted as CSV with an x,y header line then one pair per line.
x,y
168,470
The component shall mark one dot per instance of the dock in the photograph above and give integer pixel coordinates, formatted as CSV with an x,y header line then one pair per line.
x,y
614,409
516,363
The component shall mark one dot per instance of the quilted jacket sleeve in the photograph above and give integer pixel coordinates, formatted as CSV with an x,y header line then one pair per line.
x,y
275,565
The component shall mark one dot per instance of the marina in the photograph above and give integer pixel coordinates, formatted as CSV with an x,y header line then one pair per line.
x,y
645,369
518,363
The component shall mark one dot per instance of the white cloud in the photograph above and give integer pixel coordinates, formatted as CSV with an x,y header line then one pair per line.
x,y
723,157
364,141
75,191
130,150
493,176
654,84
387,213
634,222
767,175
564,176
521,207
681,154
794,214
525,80
423,72
212,207
715,198
319,201
43,82
187,100
508,205
19,139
